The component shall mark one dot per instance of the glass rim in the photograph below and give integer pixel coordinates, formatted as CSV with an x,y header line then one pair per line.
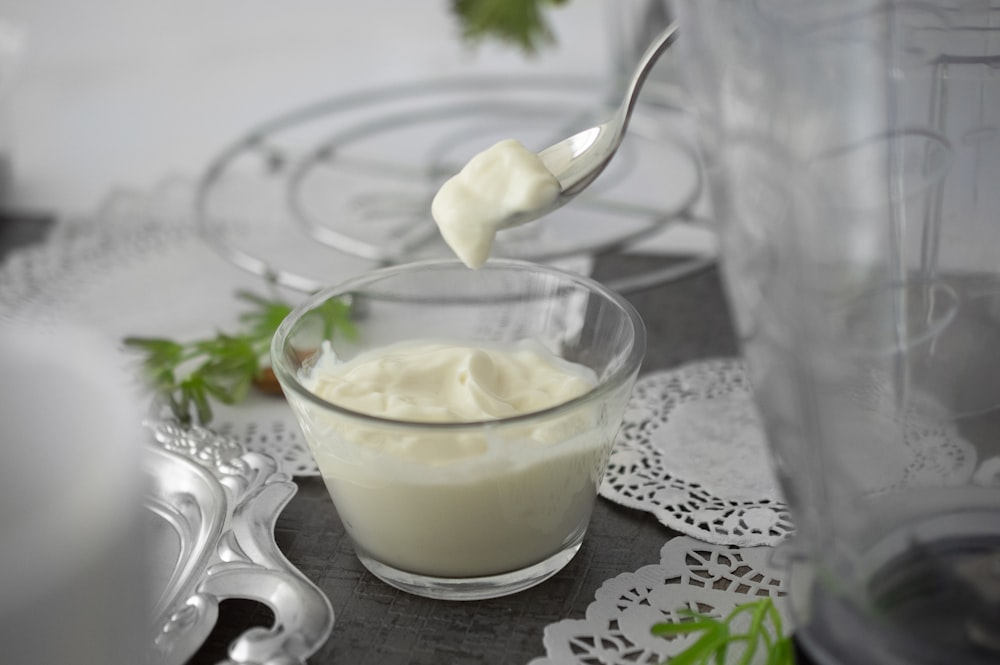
x,y
287,376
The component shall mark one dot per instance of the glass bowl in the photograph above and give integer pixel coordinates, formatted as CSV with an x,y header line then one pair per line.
x,y
466,510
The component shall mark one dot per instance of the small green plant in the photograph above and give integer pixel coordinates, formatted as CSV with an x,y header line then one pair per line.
x,y
187,376
518,22
717,637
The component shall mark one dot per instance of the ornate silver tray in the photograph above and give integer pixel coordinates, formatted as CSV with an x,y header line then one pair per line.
x,y
210,534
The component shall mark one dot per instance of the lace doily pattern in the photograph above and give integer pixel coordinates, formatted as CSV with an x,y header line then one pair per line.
x,y
693,575
273,434
692,452
36,281
919,447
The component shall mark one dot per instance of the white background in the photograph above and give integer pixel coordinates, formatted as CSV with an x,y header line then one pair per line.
x,y
120,93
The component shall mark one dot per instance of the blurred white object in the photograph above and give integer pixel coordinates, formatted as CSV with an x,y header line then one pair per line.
x,y
69,500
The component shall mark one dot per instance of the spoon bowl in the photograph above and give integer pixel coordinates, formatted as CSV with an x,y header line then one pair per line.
x,y
576,161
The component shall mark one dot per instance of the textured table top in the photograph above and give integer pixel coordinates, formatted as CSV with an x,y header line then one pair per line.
x,y
375,623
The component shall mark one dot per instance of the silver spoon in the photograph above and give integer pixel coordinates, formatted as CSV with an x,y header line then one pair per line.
x,y
578,160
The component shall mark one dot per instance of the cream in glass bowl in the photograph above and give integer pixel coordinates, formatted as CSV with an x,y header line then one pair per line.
x,y
464,429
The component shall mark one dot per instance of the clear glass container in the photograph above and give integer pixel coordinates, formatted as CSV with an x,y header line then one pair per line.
x,y
854,159
475,509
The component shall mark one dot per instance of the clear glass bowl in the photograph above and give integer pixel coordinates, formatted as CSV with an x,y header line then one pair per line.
x,y
466,510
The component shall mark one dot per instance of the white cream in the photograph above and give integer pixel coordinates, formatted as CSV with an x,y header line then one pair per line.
x,y
448,383
471,207
457,501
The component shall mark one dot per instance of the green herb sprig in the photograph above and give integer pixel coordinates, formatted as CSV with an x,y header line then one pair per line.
x,y
717,636
519,22
187,376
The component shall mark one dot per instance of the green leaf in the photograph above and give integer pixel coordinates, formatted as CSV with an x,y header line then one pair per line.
x,y
229,371
193,395
717,638
336,316
518,22
775,616
783,653
175,401
265,320
758,614
682,628
186,377
704,647
159,352
162,379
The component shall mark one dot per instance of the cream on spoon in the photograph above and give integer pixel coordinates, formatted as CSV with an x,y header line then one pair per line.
x,y
499,183
508,185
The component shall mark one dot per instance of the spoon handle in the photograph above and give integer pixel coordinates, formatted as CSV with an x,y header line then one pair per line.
x,y
653,52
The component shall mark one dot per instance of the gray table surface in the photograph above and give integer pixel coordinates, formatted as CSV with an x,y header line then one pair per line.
x,y
377,624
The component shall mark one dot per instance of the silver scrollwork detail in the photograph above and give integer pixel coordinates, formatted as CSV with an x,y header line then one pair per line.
x,y
227,550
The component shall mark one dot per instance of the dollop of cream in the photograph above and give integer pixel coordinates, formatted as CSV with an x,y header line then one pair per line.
x,y
499,182
442,382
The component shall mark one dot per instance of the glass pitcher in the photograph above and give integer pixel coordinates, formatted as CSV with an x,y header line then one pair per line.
x,y
853,149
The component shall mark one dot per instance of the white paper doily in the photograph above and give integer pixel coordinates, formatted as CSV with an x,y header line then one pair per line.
x,y
709,579
692,452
